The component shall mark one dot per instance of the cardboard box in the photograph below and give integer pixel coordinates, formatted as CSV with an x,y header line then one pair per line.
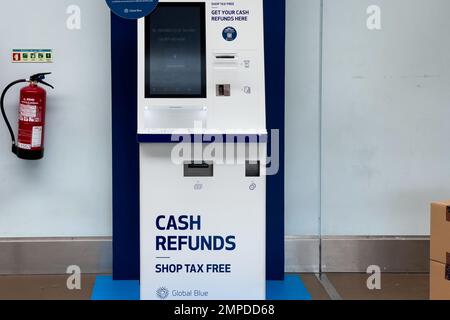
x,y
440,280
440,231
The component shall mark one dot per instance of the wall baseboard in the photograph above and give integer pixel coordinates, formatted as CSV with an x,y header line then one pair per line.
x,y
54,255
355,254
340,254
302,254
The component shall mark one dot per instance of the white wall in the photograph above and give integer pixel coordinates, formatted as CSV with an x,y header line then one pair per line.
x,y
386,105
69,192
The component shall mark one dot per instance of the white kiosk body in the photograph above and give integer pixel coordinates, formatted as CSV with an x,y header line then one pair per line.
x,y
202,206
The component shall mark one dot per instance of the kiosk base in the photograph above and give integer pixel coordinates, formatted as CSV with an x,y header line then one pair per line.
x,y
105,288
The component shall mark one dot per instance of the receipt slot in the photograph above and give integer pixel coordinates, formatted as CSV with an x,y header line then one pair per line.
x,y
202,201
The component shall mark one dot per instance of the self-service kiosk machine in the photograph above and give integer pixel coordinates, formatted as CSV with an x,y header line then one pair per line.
x,y
202,131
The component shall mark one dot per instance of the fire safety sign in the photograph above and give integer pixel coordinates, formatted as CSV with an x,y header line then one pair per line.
x,y
32,56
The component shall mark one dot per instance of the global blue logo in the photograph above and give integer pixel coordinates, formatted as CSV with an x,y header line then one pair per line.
x,y
229,34
132,9
162,293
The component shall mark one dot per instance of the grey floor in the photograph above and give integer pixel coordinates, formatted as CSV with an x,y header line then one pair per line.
x,y
346,286
354,287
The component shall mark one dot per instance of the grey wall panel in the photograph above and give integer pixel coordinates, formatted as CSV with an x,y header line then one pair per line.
x,y
385,116
302,117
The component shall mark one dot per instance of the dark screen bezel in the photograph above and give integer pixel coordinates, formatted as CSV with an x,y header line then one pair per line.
x,y
148,94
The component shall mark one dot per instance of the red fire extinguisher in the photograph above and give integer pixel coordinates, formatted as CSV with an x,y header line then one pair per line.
x,y
32,105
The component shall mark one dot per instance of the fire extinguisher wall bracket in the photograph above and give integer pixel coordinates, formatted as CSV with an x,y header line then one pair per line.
x,y
30,142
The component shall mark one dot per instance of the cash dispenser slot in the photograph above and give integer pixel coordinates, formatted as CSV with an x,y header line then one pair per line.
x,y
194,169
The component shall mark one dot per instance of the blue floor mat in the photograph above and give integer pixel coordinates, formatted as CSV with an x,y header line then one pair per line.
x,y
292,288
105,288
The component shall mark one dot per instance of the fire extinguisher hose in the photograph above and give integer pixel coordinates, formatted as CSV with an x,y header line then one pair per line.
x,y
2,106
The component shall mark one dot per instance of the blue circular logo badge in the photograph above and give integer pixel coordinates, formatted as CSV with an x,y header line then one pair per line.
x,y
229,34
132,9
